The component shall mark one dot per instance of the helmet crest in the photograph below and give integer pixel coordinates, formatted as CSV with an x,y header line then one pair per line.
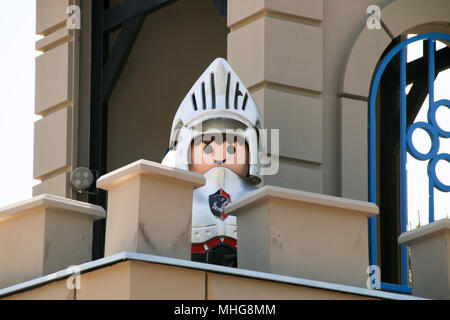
x,y
217,95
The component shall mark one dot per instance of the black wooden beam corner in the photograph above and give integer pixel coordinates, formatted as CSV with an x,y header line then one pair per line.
x,y
130,9
420,66
221,6
98,121
119,54
106,68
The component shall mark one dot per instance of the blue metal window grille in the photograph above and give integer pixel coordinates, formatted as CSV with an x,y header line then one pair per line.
x,y
433,130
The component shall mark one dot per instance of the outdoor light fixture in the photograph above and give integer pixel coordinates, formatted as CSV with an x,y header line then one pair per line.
x,y
81,180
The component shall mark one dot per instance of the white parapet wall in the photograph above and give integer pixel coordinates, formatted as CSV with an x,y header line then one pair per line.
x,y
430,259
303,234
149,209
44,234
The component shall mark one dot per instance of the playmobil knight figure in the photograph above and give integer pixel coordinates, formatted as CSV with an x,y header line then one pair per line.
x,y
215,133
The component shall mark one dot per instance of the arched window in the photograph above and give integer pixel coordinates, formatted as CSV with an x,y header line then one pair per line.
x,y
399,90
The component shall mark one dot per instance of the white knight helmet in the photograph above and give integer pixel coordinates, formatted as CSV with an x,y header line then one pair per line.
x,y
218,103
217,97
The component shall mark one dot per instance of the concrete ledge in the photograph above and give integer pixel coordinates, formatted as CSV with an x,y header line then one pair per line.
x,y
149,209
305,11
44,234
430,259
236,273
427,230
150,168
51,201
302,234
365,208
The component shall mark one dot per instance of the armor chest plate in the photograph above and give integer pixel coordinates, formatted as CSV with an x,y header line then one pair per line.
x,y
209,202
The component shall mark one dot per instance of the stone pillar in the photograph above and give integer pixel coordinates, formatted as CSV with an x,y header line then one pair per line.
x,y
430,259
149,209
302,234
56,98
43,235
276,48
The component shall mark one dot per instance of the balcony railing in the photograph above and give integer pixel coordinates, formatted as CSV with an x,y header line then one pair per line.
x,y
406,145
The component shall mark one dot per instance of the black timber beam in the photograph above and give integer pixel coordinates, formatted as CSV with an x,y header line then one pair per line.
x,y
221,6
442,62
415,99
417,74
119,54
389,132
98,121
419,66
129,10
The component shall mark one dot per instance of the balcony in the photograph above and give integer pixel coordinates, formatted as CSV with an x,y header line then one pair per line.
x,y
291,244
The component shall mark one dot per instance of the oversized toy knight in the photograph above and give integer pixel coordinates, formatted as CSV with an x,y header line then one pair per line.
x,y
215,133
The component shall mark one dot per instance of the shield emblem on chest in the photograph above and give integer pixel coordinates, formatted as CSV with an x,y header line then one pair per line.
x,y
218,201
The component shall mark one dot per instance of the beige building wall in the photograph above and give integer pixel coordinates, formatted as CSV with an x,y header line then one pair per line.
x,y
138,280
62,85
267,48
399,17
307,63
172,50
300,48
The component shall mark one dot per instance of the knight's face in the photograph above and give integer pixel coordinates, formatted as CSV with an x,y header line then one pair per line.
x,y
229,151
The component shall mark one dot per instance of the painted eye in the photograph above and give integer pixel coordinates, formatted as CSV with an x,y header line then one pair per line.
x,y
231,149
208,149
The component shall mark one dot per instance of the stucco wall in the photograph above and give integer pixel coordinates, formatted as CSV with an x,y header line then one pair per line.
x,y
357,68
56,98
307,63
173,48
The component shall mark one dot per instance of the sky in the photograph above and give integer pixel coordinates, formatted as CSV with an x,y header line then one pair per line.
x,y
17,34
